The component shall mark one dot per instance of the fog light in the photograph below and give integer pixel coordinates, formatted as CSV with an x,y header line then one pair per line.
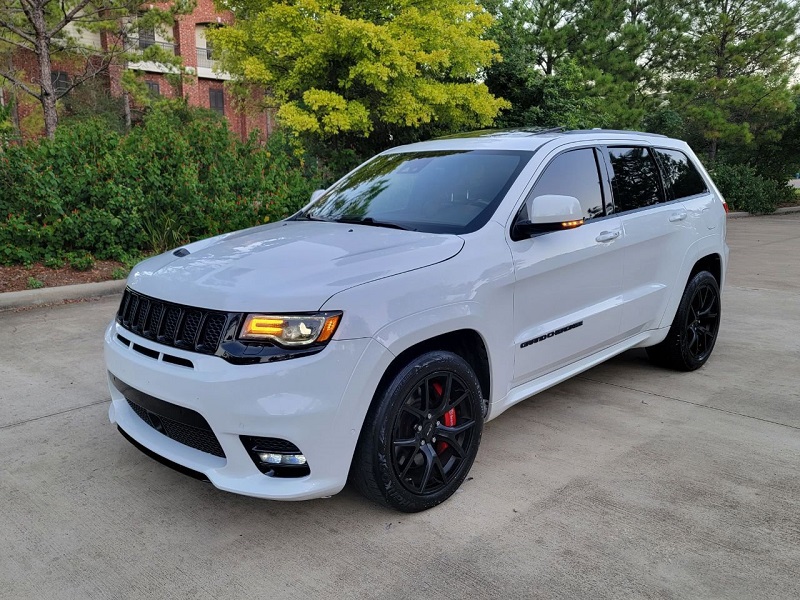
x,y
281,459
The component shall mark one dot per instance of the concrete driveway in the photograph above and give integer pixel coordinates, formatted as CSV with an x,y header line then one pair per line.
x,y
627,481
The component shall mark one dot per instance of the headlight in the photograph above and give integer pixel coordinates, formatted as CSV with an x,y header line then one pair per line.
x,y
291,330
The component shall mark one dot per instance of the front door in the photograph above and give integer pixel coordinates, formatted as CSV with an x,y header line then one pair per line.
x,y
567,296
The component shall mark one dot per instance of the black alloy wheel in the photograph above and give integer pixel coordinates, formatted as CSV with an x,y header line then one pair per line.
x,y
421,435
694,329
702,322
431,432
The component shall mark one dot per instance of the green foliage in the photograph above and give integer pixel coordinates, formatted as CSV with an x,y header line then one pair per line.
x,y
7,132
81,262
52,262
119,273
93,100
365,68
181,175
561,99
735,66
620,54
34,284
745,190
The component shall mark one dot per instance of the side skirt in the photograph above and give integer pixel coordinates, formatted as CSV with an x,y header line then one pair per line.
x,y
526,390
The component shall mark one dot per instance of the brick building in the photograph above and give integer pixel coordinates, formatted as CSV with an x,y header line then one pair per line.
x,y
202,84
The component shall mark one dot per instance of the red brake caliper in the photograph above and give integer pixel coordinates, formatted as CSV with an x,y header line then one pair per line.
x,y
449,417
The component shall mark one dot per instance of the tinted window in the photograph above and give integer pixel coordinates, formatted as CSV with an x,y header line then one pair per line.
x,y
438,192
573,173
635,178
681,178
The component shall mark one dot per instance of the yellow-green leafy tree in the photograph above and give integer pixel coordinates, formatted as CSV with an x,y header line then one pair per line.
x,y
365,68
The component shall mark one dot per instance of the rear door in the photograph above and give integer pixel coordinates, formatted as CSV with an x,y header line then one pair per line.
x,y
568,283
657,233
684,183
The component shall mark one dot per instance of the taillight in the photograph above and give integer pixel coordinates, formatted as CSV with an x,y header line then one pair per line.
x,y
725,206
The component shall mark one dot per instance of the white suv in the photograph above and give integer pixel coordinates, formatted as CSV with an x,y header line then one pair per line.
x,y
372,334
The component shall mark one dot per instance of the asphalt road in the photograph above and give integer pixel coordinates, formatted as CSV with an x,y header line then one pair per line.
x,y
627,481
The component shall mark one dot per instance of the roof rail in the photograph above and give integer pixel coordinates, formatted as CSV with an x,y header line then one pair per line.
x,y
601,130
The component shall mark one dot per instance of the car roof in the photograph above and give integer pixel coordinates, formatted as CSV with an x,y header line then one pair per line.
x,y
528,139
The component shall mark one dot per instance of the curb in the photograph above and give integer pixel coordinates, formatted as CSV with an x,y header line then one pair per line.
x,y
59,294
778,211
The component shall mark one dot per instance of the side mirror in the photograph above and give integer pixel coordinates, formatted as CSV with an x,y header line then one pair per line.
x,y
316,194
551,212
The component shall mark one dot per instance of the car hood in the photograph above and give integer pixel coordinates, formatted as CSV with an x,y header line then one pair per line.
x,y
289,266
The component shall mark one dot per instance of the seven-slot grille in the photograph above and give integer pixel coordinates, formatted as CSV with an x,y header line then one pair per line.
x,y
186,327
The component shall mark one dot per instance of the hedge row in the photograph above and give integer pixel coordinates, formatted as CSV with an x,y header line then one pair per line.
x,y
180,175
745,190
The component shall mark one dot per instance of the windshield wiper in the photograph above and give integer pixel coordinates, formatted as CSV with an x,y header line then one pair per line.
x,y
370,221
307,217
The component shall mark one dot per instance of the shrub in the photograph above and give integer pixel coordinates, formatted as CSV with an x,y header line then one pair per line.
x,y
53,263
34,284
119,273
179,176
81,262
746,190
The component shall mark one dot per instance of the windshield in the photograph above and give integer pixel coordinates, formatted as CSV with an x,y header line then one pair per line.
x,y
435,192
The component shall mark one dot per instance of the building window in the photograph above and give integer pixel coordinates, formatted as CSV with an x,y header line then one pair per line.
x,y
147,37
60,81
216,101
153,88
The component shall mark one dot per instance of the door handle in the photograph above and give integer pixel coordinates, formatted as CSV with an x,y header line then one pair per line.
x,y
607,236
678,216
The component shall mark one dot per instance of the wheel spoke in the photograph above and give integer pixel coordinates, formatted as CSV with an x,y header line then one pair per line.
x,y
405,443
430,458
452,443
451,405
448,388
439,467
409,463
426,385
693,339
455,429
414,411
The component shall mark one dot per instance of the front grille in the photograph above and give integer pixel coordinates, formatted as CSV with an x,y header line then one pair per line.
x,y
194,437
179,423
185,327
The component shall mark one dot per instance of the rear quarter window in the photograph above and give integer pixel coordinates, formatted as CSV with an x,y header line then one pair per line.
x,y
681,177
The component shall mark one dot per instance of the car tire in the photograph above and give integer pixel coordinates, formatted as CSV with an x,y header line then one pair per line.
x,y
421,435
694,329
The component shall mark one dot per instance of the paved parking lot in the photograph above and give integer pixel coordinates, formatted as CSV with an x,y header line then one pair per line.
x,y
627,481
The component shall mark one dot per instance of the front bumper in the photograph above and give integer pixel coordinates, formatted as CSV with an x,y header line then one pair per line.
x,y
316,402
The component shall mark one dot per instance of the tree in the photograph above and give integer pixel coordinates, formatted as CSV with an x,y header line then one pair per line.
x,y
338,68
733,77
51,30
623,50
